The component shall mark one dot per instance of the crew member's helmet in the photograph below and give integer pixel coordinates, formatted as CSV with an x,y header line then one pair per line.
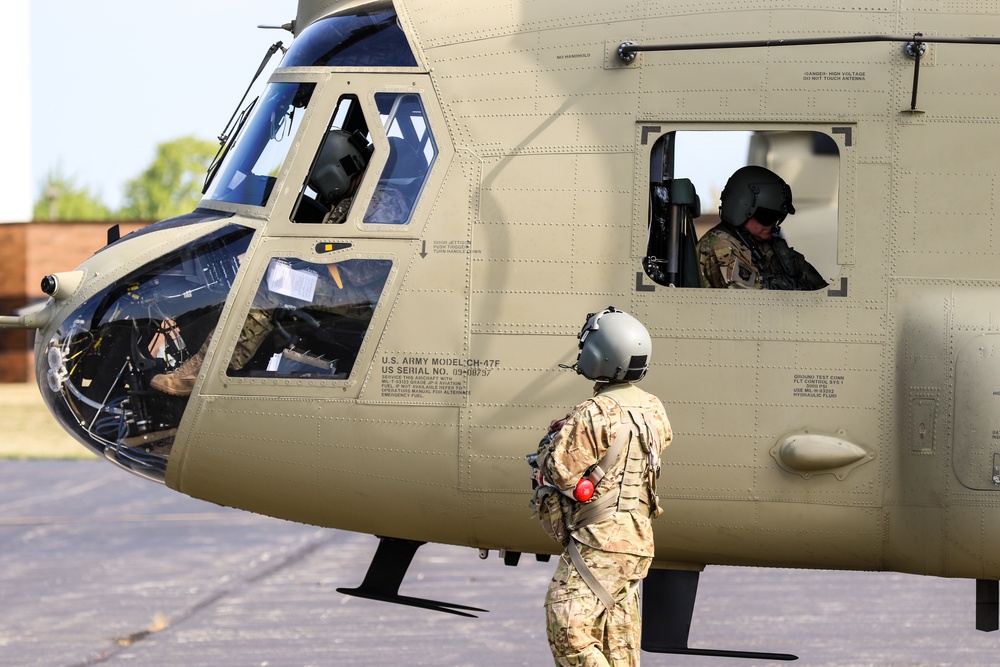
x,y
755,192
614,347
342,157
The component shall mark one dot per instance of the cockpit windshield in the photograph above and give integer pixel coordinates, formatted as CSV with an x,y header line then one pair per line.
x,y
370,39
253,158
98,368
250,168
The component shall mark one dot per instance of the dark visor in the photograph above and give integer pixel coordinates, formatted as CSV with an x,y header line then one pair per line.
x,y
768,216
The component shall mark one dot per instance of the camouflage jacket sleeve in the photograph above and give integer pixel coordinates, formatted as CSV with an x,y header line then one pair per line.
x,y
338,214
662,426
574,448
725,263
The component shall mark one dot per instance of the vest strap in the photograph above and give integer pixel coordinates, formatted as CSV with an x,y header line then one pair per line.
x,y
605,506
588,576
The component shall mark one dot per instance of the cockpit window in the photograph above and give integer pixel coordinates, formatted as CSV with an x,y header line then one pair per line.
x,y
412,152
371,39
250,168
103,361
338,167
346,151
309,320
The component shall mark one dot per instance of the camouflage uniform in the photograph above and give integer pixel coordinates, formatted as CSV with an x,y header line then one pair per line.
x,y
618,549
338,214
727,260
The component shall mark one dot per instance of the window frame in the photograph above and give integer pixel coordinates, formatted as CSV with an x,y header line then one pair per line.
x,y
648,133
365,86
236,310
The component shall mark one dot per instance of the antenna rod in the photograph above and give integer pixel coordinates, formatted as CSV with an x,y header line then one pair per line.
x,y
627,50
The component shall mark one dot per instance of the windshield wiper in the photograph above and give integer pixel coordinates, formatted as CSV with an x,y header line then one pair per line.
x,y
232,129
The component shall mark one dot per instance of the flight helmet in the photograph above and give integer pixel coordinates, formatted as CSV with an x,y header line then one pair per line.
x,y
755,192
342,157
614,347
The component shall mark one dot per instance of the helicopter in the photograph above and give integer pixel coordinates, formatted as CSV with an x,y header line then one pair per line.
x,y
383,366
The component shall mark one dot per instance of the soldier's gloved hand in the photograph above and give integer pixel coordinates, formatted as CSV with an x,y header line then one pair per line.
x,y
556,425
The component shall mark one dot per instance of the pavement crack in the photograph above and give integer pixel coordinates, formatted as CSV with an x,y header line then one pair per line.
x,y
161,622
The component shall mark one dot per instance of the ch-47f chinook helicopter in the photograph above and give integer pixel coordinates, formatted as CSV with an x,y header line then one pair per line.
x,y
515,168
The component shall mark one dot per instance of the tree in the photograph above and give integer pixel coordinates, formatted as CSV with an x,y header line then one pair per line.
x,y
63,199
172,184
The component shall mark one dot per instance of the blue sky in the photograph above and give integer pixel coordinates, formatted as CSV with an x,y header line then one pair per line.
x,y
113,78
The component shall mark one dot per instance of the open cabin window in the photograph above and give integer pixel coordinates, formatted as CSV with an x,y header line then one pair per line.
x,y
688,172
346,151
337,167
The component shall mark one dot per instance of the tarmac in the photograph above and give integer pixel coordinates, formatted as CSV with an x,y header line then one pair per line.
x,y
99,567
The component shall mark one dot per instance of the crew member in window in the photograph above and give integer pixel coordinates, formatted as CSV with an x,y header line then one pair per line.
x,y
341,163
335,178
746,250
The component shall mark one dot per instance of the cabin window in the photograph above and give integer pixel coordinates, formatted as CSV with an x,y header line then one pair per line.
x,y
368,39
688,173
250,168
412,152
309,320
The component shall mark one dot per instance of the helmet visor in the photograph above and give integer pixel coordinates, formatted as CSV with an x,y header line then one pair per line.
x,y
768,216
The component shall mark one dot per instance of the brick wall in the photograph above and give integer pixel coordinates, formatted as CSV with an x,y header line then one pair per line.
x,y
29,252
15,344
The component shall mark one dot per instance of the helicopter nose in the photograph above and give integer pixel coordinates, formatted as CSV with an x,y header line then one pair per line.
x,y
97,369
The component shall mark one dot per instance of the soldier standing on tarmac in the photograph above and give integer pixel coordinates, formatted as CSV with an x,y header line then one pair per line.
x,y
614,441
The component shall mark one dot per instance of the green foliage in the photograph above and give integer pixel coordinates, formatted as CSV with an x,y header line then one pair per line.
x,y
63,199
172,184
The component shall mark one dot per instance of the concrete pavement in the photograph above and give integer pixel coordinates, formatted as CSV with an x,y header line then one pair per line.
x,y
98,567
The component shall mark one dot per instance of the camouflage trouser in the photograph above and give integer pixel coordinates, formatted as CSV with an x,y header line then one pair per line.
x,y
258,325
581,631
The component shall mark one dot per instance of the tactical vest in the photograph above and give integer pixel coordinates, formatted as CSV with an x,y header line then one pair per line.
x,y
636,487
781,267
635,490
